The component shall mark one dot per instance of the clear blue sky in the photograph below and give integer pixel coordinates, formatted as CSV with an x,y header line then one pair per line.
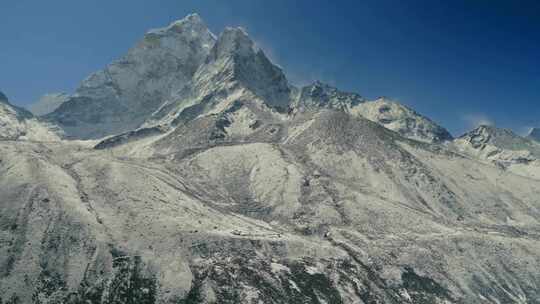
x,y
459,62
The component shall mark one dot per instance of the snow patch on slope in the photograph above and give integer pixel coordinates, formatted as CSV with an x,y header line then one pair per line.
x,y
17,123
403,120
503,148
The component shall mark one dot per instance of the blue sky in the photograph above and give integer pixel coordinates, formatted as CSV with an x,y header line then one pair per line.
x,y
459,62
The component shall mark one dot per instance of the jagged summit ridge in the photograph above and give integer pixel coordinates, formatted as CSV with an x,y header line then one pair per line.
x,y
123,95
182,70
235,69
403,120
191,23
490,135
502,147
321,95
236,58
233,41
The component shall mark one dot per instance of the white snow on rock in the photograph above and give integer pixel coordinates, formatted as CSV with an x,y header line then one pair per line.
x,y
123,95
17,123
320,95
402,119
503,148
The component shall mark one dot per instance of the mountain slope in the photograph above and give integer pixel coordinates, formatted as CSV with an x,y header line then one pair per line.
x,y
403,120
503,148
326,208
18,123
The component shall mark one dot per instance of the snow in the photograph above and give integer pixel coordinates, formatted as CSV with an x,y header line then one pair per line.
x,y
124,95
403,120
17,123
502,148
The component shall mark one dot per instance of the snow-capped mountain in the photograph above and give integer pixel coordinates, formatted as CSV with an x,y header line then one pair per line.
x,y
220,182
123,95
492,143
234,70
18,123
320,95
502,147
48,103
403,120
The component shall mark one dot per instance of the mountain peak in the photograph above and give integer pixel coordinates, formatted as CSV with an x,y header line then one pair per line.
x,y
322,85
234,41
192,22
489,130
322,95
499,137
122,96
193,17
18,123
235,59
502,146
402,119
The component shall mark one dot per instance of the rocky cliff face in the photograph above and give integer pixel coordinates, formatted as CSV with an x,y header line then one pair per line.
x,y
234,186
235,71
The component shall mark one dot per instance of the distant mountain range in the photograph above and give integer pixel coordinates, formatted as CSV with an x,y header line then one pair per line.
x,y
192,171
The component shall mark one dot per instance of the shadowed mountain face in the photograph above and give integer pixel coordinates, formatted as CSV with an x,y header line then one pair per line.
x,y
222,183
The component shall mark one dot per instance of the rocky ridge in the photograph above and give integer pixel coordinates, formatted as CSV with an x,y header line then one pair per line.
x,y
123,95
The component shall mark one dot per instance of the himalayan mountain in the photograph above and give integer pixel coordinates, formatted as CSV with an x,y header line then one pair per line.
x,y
191,170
